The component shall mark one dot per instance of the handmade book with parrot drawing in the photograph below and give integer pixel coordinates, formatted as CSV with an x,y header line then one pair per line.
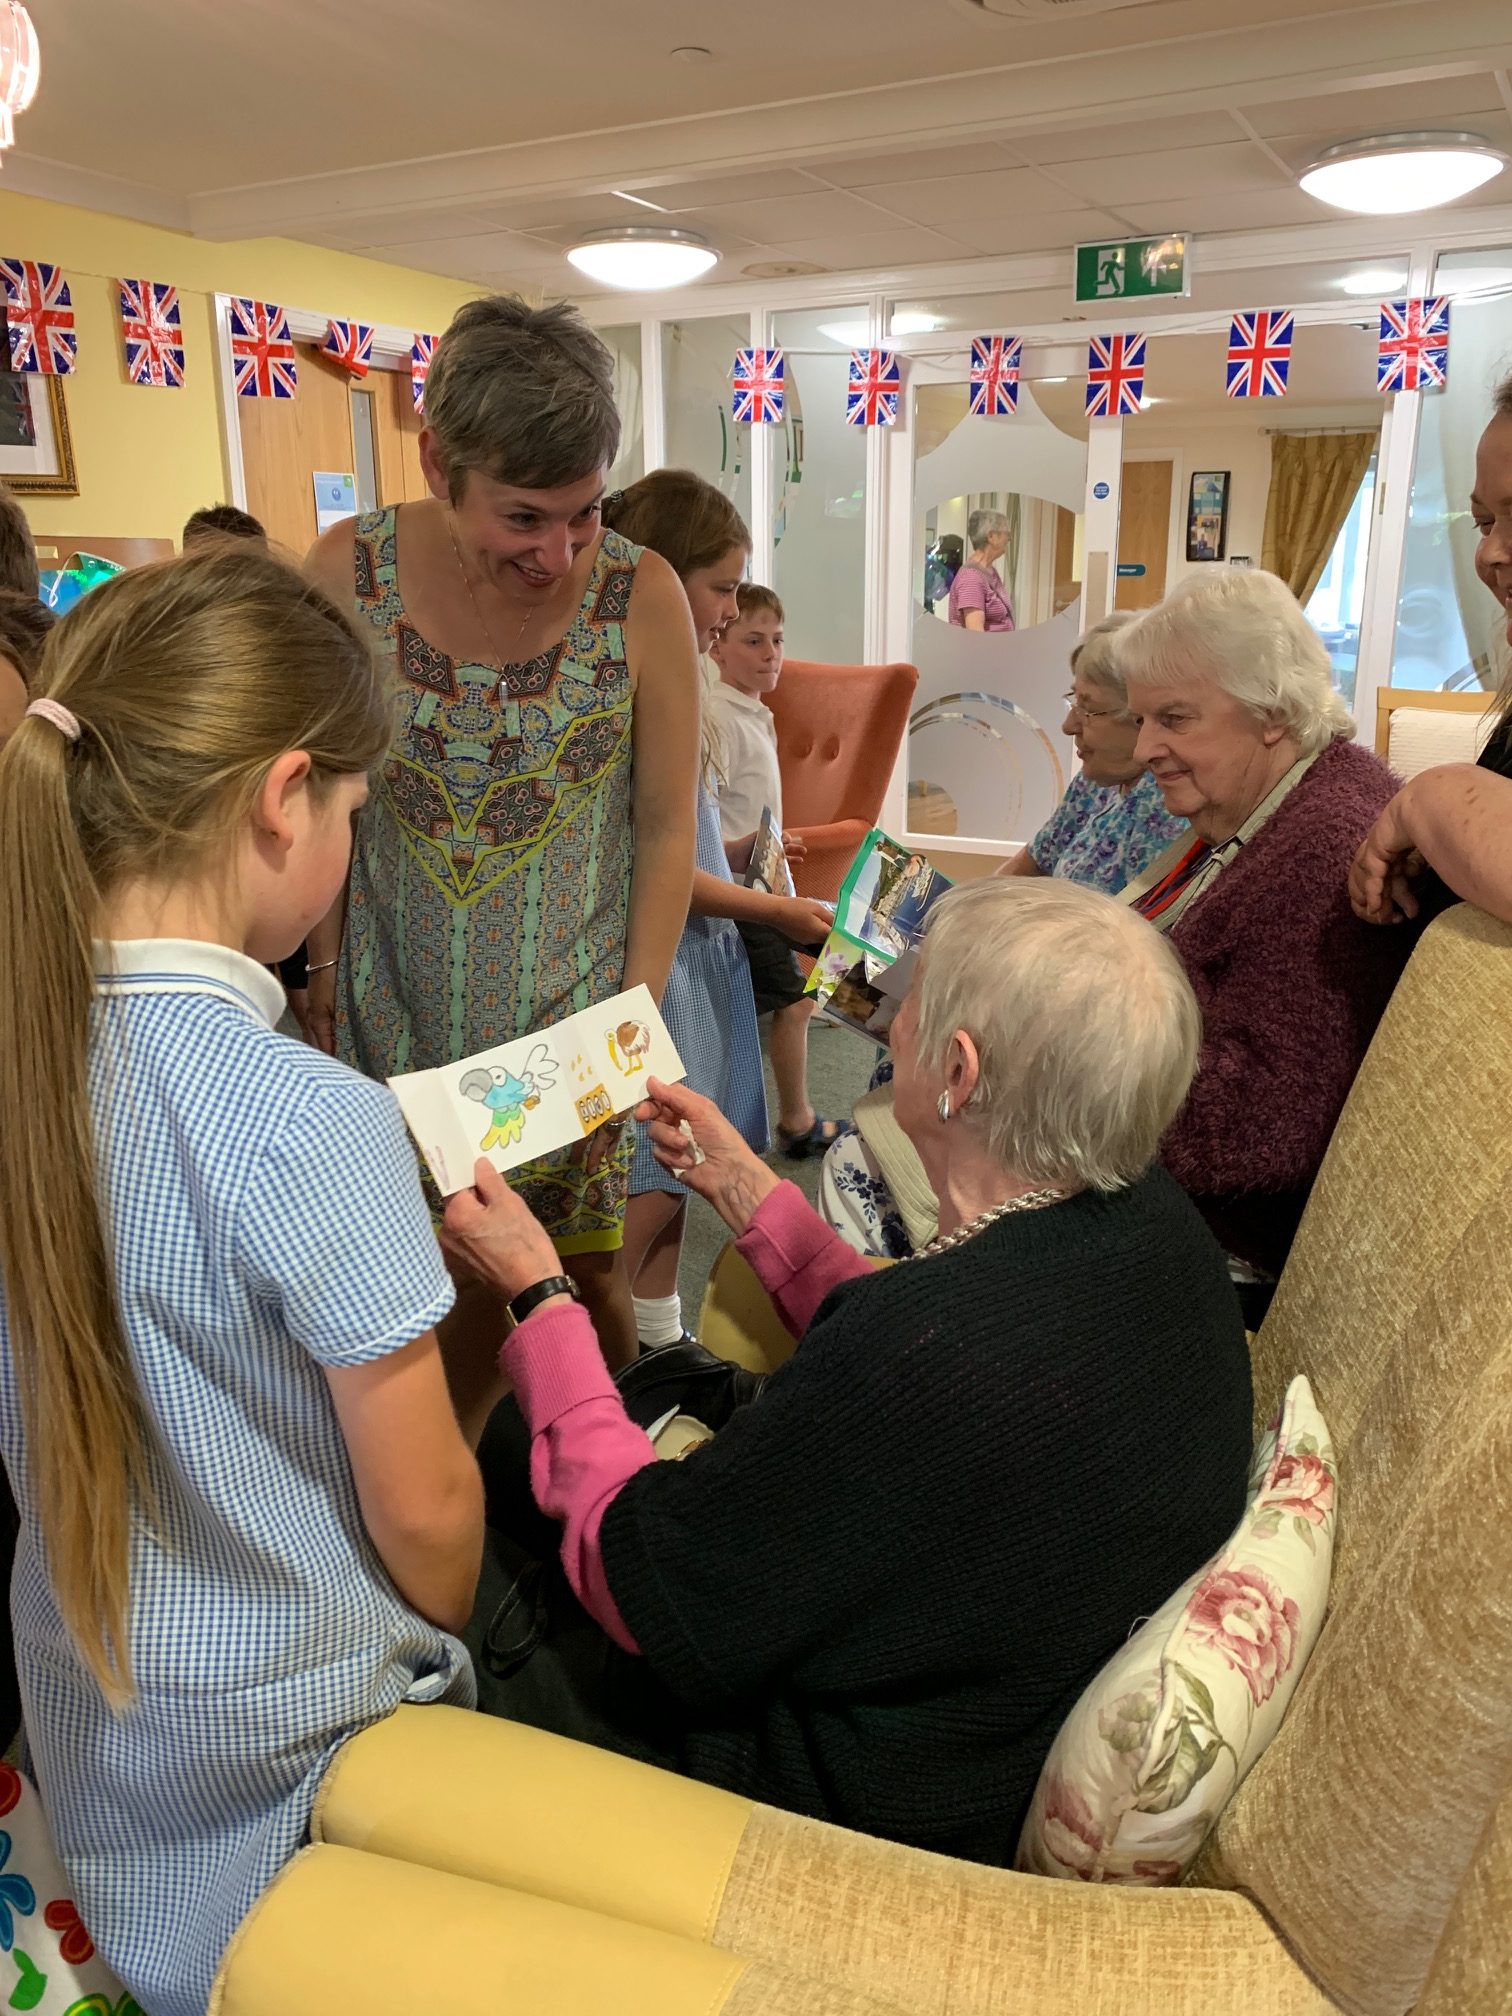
x,y
543,1091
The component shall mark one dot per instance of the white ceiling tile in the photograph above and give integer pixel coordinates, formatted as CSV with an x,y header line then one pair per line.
x,y
947,199
820,213
1389,108
530,213
561,235
708,189
392,227
853,251
488,252
1255,210
1027,231
870,170
1092,143
1173,175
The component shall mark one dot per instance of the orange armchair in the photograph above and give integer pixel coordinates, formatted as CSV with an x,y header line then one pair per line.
x,y
838,732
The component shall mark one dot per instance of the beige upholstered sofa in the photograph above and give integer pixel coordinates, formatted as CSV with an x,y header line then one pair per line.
x,y
1365,1865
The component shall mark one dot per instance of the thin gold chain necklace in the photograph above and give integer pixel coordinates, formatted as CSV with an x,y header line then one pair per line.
x,y
498,655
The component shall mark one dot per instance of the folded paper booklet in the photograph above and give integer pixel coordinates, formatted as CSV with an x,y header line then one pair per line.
x,y
768,869
542,1091
865,966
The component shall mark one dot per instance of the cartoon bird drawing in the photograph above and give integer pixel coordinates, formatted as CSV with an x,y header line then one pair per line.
x,y
628,1045
507,1097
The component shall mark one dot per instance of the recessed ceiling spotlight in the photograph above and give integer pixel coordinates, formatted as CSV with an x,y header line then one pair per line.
x,y
1398,172
1386,281
781,269
643,256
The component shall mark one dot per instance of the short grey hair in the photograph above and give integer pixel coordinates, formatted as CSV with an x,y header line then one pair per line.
x,y
524,395
1246,631
1084,1020
1095,657
981,525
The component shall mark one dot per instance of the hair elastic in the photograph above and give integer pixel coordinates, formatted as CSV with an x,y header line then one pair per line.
x,y
60,717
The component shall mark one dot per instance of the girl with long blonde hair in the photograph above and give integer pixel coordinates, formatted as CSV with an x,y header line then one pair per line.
x,y
250,1524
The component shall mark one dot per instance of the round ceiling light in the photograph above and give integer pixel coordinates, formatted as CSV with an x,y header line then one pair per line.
x,y
643,256
1398,172
20,66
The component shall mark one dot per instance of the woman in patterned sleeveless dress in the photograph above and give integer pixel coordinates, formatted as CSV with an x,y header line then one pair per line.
x,y
515,863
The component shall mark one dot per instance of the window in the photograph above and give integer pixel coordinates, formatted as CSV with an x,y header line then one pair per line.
x,y
624,344
696,361
1338,601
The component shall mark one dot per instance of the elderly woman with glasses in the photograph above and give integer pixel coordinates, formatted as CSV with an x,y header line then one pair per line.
x,y
1247,739
1112,822
875,1594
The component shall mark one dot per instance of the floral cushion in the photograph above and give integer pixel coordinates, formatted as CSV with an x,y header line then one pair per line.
x,y
48,1963
1161,1740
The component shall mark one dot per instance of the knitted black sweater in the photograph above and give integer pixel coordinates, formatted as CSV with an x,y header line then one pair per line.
x,y
877,1593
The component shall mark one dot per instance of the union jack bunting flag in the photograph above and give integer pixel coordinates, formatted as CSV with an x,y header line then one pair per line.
x,y
1259,354
1115,376
759,379
351,344
995,375
1414,348
871,395
422,350
39,318
262,351
152,332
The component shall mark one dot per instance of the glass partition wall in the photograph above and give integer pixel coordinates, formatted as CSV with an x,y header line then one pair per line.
x,y
857,530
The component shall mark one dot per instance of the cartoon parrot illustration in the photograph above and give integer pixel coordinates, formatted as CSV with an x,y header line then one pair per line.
x,y
507,1097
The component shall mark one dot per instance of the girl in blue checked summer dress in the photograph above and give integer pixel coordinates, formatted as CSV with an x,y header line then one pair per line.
x,y
250,1525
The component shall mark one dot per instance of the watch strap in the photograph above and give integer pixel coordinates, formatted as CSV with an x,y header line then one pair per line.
x,y
541,1291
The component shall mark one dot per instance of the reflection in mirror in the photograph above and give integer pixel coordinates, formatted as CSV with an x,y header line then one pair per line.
x,y
996,591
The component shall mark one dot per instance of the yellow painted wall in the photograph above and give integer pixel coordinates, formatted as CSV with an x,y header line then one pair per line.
x,y
148,456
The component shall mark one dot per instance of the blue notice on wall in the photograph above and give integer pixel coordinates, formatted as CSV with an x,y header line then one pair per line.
x,y
1130,570
335,498
1099,491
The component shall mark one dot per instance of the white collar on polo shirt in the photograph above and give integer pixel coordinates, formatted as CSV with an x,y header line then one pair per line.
x,y
188,966
752,702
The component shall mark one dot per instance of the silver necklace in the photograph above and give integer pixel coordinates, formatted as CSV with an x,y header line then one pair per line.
x,y
1032,1200
498,656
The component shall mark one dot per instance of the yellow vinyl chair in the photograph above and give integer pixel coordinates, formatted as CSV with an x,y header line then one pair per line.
x,y
1364,1866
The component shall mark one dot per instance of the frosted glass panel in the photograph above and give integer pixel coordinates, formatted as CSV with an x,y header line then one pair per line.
x,y
986,759
819,489
701,436
625,344
1449,630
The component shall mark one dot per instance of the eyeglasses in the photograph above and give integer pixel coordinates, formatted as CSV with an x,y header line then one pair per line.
x,y
1077,706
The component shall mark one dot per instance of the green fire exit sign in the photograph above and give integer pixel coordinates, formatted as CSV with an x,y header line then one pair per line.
x,y
1132,269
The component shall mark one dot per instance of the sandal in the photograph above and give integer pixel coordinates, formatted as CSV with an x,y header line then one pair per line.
x,y
812,1141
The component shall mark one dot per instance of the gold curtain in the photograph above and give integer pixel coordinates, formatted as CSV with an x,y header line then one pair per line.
x,y
1314,480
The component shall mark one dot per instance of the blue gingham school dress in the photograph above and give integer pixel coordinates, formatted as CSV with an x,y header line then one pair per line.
x,y
710,1012
265,1213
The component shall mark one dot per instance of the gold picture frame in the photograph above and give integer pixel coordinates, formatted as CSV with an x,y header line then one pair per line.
x,y
36,447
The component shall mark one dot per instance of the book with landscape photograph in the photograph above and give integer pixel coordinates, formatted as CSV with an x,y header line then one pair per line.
x,y
865,966
768,868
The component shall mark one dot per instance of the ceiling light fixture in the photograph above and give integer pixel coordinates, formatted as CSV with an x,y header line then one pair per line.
x,y
1398,172
905,322
1385,281
20,66
643,256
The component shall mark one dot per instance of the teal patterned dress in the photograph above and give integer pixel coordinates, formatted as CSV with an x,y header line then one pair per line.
x,y
490,886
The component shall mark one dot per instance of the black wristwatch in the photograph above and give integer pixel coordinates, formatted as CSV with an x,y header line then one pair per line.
x,y
532,1297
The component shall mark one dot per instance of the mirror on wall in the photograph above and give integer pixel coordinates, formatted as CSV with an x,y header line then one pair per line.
x,y
997,564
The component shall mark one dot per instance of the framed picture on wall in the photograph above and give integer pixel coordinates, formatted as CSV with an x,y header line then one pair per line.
x,y
1207,515
36,450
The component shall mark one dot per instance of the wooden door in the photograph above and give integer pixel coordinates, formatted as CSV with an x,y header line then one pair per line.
x,y
1144,533
396,439
284,442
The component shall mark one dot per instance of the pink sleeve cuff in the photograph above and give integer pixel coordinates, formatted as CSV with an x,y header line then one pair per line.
x,y
584,1448
796,1257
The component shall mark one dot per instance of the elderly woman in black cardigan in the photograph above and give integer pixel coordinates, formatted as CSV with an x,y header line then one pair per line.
x,y
876,1593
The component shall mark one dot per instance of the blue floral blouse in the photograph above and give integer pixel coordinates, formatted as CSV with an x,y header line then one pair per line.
x,y
1104,837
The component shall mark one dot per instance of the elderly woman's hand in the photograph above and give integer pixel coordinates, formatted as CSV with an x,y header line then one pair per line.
x,y
692,1138
1381,876
494,1236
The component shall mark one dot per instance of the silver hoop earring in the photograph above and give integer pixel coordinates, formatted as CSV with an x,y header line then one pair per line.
x,y
943,1109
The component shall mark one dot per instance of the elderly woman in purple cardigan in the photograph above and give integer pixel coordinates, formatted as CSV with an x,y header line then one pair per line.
x,y
1248,740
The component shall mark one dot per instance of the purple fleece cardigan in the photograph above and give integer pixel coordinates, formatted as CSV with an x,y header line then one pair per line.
x,y
1291,986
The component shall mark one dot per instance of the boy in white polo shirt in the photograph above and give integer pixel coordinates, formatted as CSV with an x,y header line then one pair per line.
x,y
748,656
